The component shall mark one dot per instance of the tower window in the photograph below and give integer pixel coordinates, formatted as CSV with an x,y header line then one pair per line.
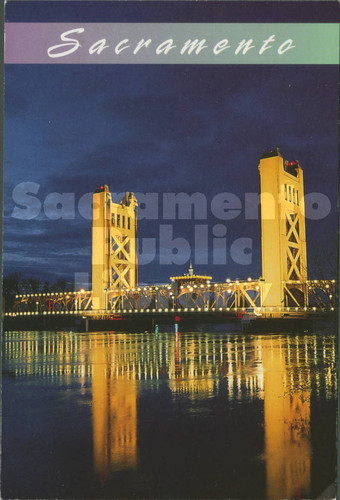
x,y
285,191
290,193
128,222
118,220
113,219
291,167
123,221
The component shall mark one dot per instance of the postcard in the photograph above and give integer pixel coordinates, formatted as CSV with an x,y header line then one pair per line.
x,y
170,265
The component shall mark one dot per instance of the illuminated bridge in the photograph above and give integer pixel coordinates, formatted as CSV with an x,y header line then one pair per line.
x,y
283,290
233,299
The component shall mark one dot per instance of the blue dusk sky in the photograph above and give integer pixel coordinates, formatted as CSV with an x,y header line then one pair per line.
x,y
161,129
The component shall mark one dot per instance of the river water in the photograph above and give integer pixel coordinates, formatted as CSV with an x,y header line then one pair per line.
x,y
168,415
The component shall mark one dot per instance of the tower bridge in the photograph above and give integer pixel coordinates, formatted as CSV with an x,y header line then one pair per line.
x,y
283,290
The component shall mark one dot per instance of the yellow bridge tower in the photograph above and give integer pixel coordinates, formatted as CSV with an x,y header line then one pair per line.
x,y
283,233
114,256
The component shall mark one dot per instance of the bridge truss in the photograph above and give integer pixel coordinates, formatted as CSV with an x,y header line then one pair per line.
x,y
232,296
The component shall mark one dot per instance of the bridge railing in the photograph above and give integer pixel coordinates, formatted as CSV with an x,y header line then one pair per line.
x,y
240,312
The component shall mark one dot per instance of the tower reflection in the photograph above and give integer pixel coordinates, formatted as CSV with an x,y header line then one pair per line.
x,y
287,428
114,406
276,370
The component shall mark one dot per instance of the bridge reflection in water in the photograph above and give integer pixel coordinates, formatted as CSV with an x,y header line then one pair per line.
x,y
281,371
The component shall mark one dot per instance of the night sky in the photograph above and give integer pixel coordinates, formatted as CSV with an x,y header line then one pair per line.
x,y
161,129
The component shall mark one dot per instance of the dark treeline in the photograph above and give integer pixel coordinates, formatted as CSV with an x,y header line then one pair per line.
x,y
16,284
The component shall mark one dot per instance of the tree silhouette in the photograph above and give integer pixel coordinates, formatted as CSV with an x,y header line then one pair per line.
x,y
322,274
15,284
